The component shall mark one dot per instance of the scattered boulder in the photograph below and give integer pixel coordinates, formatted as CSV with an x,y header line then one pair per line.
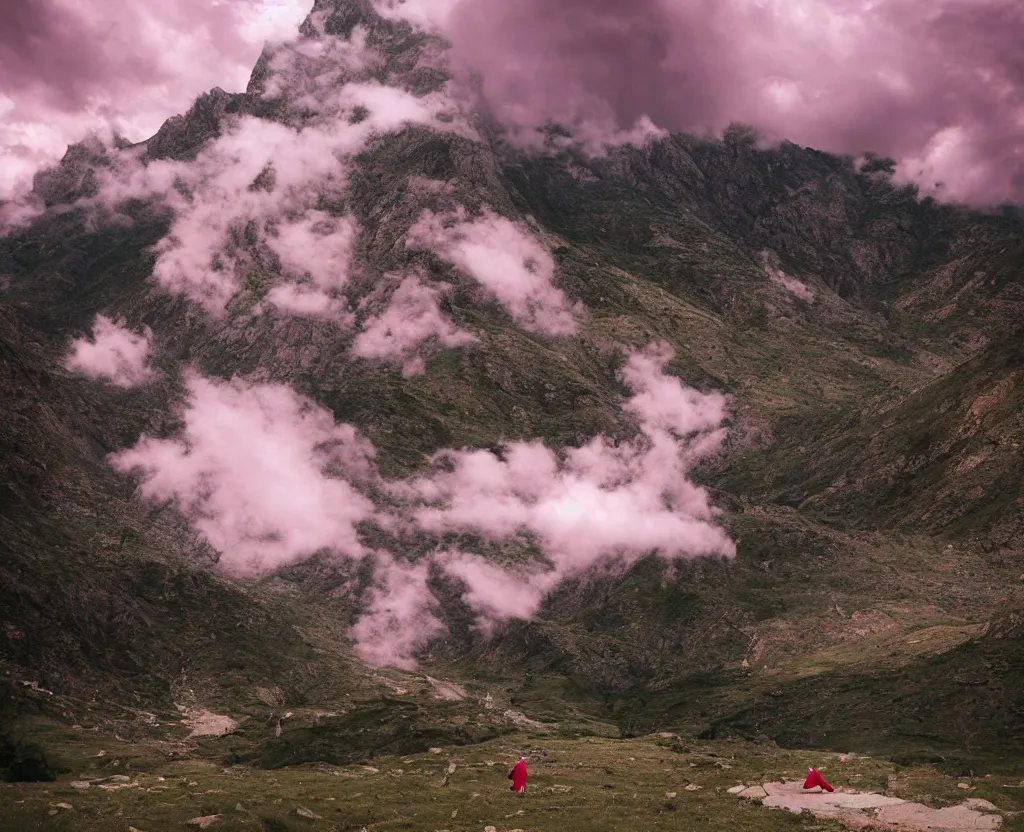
x,y
204,723
205,822
521,720
116,787
448,691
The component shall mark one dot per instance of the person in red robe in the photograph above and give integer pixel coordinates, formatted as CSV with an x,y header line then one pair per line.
x,y
814,778
518,776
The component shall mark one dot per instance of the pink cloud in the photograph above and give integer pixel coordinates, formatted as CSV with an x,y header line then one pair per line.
x,y
259,184
424,15
506,260
68,67
325,77
309,301
399,620
498,594
206,249
318,250
597,137
305,71
268,478
938,86
319,245
264,474
412,317
389,108
662,403
114,353
19,211
596,503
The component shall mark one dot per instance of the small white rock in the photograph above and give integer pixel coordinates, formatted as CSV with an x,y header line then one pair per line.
x,y
205,821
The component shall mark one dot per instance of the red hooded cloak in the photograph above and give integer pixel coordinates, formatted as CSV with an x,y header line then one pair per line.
x,y
518,776
814,778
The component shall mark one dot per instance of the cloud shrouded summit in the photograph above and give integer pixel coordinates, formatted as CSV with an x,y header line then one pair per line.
x,y
68,67
937,85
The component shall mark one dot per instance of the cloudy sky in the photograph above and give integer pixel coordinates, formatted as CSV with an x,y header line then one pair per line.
x,y
939,84
70,66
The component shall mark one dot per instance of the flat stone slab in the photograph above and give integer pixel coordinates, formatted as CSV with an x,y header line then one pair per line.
x,y
861,810
951,819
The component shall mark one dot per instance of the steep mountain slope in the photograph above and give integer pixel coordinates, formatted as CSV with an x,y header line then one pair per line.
x,y
106,603
867,341
945,459
961,708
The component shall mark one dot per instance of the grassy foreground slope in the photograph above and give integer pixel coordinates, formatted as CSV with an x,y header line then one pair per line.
x,y
591,784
